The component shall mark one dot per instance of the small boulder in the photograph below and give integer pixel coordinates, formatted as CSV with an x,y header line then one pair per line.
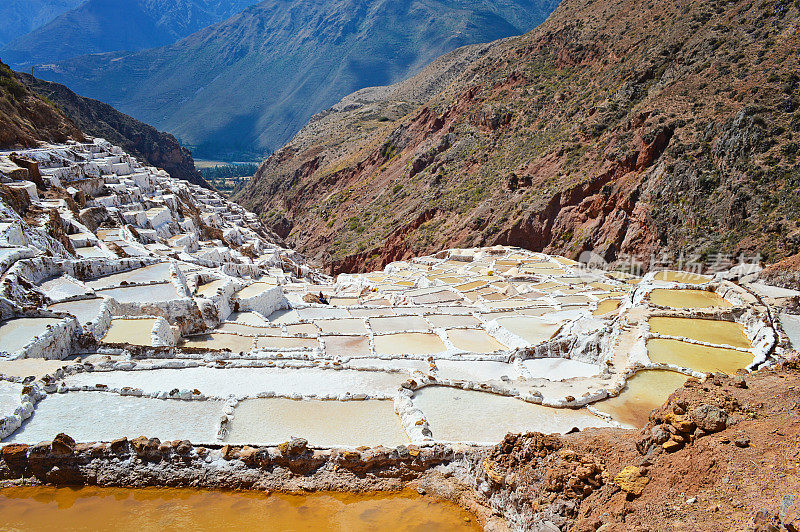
x,y
632,480
710,418
62,445
671,446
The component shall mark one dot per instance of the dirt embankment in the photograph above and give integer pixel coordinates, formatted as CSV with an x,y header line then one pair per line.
x,y
719,455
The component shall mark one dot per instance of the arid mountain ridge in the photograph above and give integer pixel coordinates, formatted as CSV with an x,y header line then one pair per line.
x,y
623,128
243,87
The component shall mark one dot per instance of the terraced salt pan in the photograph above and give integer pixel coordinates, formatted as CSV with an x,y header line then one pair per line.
x,y
9,397
448,321
559,369
681,277
283,316
400,323
531,329
148,274
697,357
791,326
470,416
90,252
254,290
411,364
15,334
248,382
606,306
474,341
249,330
408,344
285,342
680,299
347,346
302,329
710,331
322,423
322,313
209,289
345,326
475,370
63,287
134,332
248,318
152,293
643,392
221,341
98,416
85,310
27,367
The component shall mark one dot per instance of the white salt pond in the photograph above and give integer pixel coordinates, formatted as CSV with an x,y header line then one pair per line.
x,y
98,416
791,326
322,423
408,344
346,346
63,287
148,274
9,397
559,369
209,289
474,341
532,330
248,382
151,293
15,334
475,370
84,310
469,416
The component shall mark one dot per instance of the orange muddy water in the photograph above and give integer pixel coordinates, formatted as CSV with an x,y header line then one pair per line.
x,y
119,509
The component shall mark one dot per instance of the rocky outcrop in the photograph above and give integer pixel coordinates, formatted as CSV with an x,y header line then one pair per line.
x,y
26,118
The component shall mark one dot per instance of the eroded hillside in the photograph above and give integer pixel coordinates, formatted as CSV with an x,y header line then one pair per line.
x,y
624,128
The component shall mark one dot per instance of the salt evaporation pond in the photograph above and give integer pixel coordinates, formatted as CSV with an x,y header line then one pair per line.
x,y
130,331
710,331
99,416
681,299
151,293
532,330
408,344
9,397
248,382
322,423
134,510
17,333
469,416
606,306
474,341
698,357
219,342
559,369
85,310
148,274
645,391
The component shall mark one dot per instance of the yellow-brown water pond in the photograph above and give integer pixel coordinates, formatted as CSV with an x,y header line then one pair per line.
x,y
643,392
93,508
697,357
710,331
680,299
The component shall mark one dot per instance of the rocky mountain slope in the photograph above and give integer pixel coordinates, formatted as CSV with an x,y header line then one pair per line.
x,y
18,17
26,118
247,85
624,128
101,120
98,26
